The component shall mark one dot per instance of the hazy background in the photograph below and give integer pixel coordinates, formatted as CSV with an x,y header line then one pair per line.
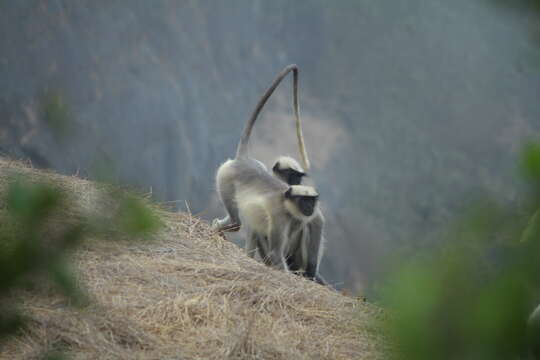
x,y
411,109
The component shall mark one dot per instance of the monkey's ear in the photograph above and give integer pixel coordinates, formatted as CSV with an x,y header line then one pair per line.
x,y
288,193
276,167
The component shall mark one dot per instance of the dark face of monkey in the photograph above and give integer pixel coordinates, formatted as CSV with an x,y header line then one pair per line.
x,y
305,203
290,176
294,177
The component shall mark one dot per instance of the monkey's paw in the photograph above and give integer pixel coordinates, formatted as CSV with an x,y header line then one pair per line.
x,y
216,224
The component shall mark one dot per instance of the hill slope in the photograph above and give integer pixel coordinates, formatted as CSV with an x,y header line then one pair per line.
x,y
187,294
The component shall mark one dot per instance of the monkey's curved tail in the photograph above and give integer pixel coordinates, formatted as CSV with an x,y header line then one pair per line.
x,y
243,145
300,136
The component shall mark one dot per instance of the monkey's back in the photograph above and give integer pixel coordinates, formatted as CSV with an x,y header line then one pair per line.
x,y
252,174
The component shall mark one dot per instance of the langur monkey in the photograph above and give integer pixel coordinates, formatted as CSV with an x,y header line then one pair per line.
x,y
273,213
275,223
303,250
310,239
226,189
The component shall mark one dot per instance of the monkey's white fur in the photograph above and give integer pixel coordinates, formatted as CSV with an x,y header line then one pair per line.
x,y
287,162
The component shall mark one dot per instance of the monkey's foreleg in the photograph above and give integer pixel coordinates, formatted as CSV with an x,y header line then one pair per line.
x,y
315,247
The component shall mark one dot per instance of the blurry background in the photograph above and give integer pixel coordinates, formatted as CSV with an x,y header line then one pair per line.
x,y
411,109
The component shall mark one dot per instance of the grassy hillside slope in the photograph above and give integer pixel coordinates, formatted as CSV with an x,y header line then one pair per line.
x,y
186,294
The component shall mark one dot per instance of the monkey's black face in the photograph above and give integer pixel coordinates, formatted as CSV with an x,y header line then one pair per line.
x,y
306,204
290,176
294,177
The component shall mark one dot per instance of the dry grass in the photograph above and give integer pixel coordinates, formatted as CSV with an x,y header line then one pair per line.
x,y
188,294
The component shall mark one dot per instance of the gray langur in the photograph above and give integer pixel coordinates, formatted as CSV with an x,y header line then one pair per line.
x,y
310,239
271,212
302,252
275,222
226,189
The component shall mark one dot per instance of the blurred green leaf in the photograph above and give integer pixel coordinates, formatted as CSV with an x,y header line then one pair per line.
x,y
36,239
32,202
532,230
531,161
136,218
471,297
64,277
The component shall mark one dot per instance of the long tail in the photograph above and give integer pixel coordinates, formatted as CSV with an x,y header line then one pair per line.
x,y
300,136
243,145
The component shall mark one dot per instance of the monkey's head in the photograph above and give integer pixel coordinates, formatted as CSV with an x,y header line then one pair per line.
x,y
301,201
289,170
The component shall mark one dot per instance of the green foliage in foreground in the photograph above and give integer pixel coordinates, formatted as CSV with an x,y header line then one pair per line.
x,y
39,229
472,297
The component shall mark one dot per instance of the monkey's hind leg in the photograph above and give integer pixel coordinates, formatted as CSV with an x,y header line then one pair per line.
x,y
226,191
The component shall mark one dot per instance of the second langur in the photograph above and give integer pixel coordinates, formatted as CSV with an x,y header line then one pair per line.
x,y
276,226
302,251
309,239
289,170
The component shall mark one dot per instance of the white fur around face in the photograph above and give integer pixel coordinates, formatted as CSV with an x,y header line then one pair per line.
x,y
293,210
303,190
287,162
